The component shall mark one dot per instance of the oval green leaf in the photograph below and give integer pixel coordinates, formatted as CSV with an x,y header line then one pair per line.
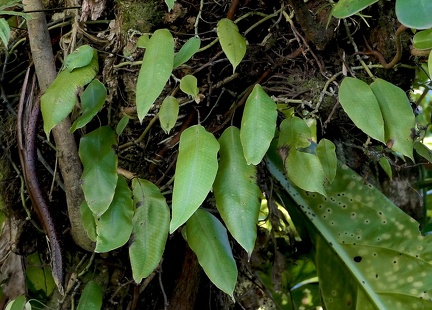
x,y
16,304
92,100
305,171
236,191
414,14
122,125
385,165
326,152
170,4
346,8
398,116
208,238
61,96
187,51
188,85
195,173
168,113
99,178
155,70
81,57
143,41
114,227
150,228
91,297
423,39
258,125
294,133
4,32
232,42
361,105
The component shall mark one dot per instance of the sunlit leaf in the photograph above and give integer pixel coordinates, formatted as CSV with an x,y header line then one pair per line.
x,y
423,39
79,58
258,125
294,133
61,96
186,51
150,228
4,32
92,100
361,105
99,178
346,8
114,227
414,14
155,70
326,152
188,85
232,42
143,41
91,297
195,173
168,113
208,238
16,304
236,191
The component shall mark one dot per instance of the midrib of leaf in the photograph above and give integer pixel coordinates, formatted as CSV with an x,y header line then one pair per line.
x,y
325,234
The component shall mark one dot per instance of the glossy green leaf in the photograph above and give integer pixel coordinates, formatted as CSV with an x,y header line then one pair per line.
x,y
16,304
385,165
232,42
398,116
354,230
346,8
114,227
122,125
143,41
4,32
92,100
361,105
208,238
423,39
187,51
423,151
188,85
414,14
61,96
88,220
170,4
168,113
305,171
430,64
195,173
236,191
99,178
150,228
294,133
326,152
91,297
155,70
38,275
258,125
81,57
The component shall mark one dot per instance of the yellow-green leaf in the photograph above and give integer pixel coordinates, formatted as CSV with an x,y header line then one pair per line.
x,y
326,152
232,42
168,113
187,51
79,58
188,85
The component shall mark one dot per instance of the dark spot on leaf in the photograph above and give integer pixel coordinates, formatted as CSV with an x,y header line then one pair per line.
x,y
344,206
139,204
384,222
320,206
324,216
376,276
354,243
378,239
363,282
374,254
394,262
380,213
331,244
329,210
358,259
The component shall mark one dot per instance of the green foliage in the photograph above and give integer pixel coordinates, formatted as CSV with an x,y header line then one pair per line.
x,y
423,39
295,133
414,14
5,10
188,85
385,165
187,51
91,297
258,125
155,70
143,41
168,113
150,228
232,42
236,191
170,4
346,8
4,31
79,58
430,63
18,303
326,152
423,151
195,173
208,238
39,277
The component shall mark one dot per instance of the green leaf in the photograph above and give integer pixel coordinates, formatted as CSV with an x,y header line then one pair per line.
x,y
294,133
385,165
61,96
414,14
168,113
423,151
258,125
17,303
122,125
354,230
143,41
155,70
430,64
88,220
398,116
346,8
150,228
208,238
232,42
114,227
92,100
38,275
5,4
188,85
195,173
305,171
361,105
236,191
423,39
81,57
170,4
99,178
326,152
91,297
187,51
4,32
